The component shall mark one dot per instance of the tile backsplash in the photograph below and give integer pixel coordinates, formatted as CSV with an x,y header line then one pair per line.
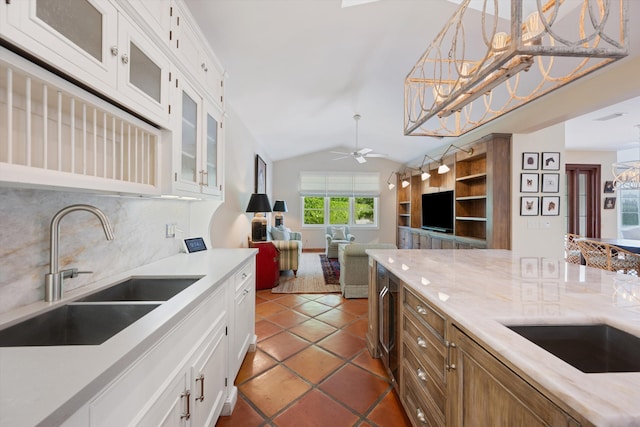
x,y
25,217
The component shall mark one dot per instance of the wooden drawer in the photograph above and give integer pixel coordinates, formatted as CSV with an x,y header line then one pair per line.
x,y
421,411
424,312
429,350
433,388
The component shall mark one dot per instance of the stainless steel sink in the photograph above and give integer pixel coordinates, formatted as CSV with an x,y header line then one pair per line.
x,y
590,348
143,289
74,324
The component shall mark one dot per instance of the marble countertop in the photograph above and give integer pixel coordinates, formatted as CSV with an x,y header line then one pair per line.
x,y
45,385
483,290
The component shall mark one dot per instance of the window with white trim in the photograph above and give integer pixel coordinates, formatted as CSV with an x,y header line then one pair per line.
x,y
335,198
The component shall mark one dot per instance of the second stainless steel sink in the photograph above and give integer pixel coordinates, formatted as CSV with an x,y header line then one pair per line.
x,y
143,289
74,324
594,348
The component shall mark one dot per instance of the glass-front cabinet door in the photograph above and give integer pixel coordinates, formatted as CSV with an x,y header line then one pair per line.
x,y
188,176
212,150
79,37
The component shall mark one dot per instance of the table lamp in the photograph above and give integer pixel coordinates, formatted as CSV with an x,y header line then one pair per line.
x,y
258,204
279,206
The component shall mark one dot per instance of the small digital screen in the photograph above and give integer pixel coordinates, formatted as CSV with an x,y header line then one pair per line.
x,y
195,245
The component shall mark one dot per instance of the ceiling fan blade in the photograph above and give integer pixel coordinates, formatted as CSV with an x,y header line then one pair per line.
x,y
376,155
340,158
340,152
364,151
349,3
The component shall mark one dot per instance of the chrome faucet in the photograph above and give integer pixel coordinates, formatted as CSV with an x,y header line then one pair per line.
x,y
53,280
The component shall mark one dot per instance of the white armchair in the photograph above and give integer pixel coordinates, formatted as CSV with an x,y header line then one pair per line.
x,y
336,235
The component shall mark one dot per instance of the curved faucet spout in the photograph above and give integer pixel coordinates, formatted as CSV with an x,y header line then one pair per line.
x,y
53,280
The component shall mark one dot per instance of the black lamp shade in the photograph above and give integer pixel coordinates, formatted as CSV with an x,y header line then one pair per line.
x,y
280,206
259,202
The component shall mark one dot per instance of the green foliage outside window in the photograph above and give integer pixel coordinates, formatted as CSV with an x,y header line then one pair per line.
x,y
364,210
339,210
314,210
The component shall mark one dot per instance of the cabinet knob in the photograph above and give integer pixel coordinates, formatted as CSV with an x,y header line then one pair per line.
x,y
204,67
421,416
422,375
125,58
420,309
114,50
422,342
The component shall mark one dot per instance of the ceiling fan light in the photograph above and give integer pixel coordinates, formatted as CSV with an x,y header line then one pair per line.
x,y
425,175
443,169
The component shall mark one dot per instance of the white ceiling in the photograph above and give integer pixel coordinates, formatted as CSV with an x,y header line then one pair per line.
x,y
300,69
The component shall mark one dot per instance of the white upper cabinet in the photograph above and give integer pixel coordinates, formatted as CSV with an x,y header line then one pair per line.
x,y
92,42
197,155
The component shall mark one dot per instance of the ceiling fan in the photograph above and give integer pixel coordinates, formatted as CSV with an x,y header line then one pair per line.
x,y
358,155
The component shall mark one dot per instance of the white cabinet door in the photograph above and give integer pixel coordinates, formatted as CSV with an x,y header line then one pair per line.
x,y
172,408
77,37
243,327
212,156
143,72
208,377
187,139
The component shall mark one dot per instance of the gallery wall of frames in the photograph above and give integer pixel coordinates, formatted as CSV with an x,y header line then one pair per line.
x,y
540,184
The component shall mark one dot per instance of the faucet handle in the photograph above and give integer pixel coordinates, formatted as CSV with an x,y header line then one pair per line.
x,y
72,272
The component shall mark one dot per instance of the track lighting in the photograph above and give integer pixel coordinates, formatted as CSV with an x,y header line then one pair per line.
x,y
390,184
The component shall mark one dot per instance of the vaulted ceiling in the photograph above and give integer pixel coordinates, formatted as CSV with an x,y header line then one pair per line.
x,y
300,69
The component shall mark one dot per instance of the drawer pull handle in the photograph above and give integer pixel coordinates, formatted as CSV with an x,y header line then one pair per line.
x,y
244,276
246,291
421,309
422,342
201,379
186,396
422,375
421,416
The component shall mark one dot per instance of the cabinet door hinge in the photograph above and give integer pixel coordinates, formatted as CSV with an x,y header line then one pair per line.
x,y
170,10
222,99
178,21
177,43
226,330
175,176
169,109
170,35
225,382
221,83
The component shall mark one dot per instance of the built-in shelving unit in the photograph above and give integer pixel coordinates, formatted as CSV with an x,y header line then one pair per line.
x,y
482,187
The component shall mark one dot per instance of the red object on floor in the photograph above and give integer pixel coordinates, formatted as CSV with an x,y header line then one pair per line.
x,y
267,265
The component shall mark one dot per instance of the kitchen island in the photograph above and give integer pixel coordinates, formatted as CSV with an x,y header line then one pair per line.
x,y
156,362
468,297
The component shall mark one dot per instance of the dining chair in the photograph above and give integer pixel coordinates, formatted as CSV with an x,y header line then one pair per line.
x,y
571,249
609,257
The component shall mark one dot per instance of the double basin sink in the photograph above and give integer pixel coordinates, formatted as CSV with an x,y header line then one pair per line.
x,y
97,317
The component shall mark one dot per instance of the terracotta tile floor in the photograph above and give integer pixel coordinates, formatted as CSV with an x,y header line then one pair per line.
x,y
312,368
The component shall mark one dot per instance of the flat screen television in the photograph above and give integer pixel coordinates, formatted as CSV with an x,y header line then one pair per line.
x,y
437,211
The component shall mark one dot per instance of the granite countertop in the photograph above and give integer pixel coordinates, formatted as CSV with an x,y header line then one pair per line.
x,y
45,385
483,290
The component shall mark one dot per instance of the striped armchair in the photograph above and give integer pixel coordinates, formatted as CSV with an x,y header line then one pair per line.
x,y
290,250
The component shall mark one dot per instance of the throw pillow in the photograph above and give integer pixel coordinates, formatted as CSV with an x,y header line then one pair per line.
x,y
339,233
280,233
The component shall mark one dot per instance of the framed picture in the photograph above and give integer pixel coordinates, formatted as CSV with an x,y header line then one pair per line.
x,y
551,161
529,182
550,206
550,182
261,175
530,161
609,202
529,206
608,187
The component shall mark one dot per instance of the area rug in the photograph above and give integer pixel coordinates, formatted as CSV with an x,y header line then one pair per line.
x,y
310,278
330,270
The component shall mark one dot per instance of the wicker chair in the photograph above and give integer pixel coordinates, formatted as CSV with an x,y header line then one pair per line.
x,y
609,257
571,249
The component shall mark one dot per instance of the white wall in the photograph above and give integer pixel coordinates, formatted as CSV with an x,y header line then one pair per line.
x,y
230,225
608,217
538,236
286,178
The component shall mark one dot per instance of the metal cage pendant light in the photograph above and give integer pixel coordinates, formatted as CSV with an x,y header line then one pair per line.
x,y
472,72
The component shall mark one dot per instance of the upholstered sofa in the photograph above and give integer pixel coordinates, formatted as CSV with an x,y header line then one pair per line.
x,y
336,235
289,245
354,267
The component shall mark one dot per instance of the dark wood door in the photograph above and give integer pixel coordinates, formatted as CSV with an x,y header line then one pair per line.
x,y
583,199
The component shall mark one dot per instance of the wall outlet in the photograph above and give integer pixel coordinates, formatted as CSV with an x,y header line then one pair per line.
x,y
170,230
533,223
